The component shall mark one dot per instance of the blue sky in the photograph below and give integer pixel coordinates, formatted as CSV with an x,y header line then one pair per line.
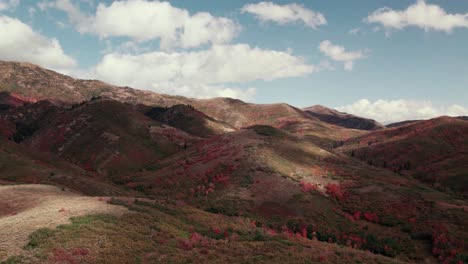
x,y
409,60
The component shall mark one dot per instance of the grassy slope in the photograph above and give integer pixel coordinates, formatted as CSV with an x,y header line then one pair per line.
x,y
161,231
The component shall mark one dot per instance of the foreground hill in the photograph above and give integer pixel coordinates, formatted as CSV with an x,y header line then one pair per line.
x,y
342,119
435,151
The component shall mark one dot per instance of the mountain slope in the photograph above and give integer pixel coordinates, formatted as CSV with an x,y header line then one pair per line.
x,y
107,136
278,178
342,119
190,120
434,151
33,83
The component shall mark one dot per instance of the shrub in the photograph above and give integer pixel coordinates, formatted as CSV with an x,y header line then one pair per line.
x,y
335,191
307,187
371,217
39,237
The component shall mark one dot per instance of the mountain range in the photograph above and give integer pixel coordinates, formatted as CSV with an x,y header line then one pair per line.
x,y
221,180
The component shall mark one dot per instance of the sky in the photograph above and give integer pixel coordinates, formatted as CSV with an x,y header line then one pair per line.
x,y
386,60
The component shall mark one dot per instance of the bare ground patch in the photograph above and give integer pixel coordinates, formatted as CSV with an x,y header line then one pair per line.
x,y
27,208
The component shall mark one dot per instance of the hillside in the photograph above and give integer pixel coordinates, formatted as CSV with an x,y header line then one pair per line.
x,y
108,137
34,83
190,120
402,123
434,151
222,180
342,119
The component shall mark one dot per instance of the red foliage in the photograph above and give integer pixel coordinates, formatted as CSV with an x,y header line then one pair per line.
x,y
79,251
87,167
308,187
60,255
444,247
335,191
371,217
357,215
217,231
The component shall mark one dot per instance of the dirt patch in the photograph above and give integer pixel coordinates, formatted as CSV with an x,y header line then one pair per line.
x,y
27,208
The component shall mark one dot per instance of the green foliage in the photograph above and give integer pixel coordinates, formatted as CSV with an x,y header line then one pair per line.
x,y
246,181
77,222
267,131
39,237
227,207
14,260
24,131
390,221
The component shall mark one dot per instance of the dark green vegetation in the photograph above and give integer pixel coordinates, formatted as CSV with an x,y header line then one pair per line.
x,y
220,180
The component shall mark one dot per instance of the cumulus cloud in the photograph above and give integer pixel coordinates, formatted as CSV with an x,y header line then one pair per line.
x,y
201,74
8,4
339,53
142,20
388,111
18,42
420,14
283,14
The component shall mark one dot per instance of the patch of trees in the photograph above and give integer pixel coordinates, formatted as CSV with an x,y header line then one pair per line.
x,y
24,131
338,144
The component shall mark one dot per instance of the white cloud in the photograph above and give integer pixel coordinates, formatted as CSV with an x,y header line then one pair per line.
x,y
31,11
19,42
8,4
339,53
283,14
142,20
354,31
420,14
201,74
388,111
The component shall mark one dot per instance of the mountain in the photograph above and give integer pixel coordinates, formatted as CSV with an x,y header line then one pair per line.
x,y
434,151
222,180
342,119
35,83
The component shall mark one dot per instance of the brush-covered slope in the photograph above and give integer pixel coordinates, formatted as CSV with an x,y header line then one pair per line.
x,y
283,183
289,185
190,120
164,231
332,116
19,164
107,136
19,123
435,151
8,101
